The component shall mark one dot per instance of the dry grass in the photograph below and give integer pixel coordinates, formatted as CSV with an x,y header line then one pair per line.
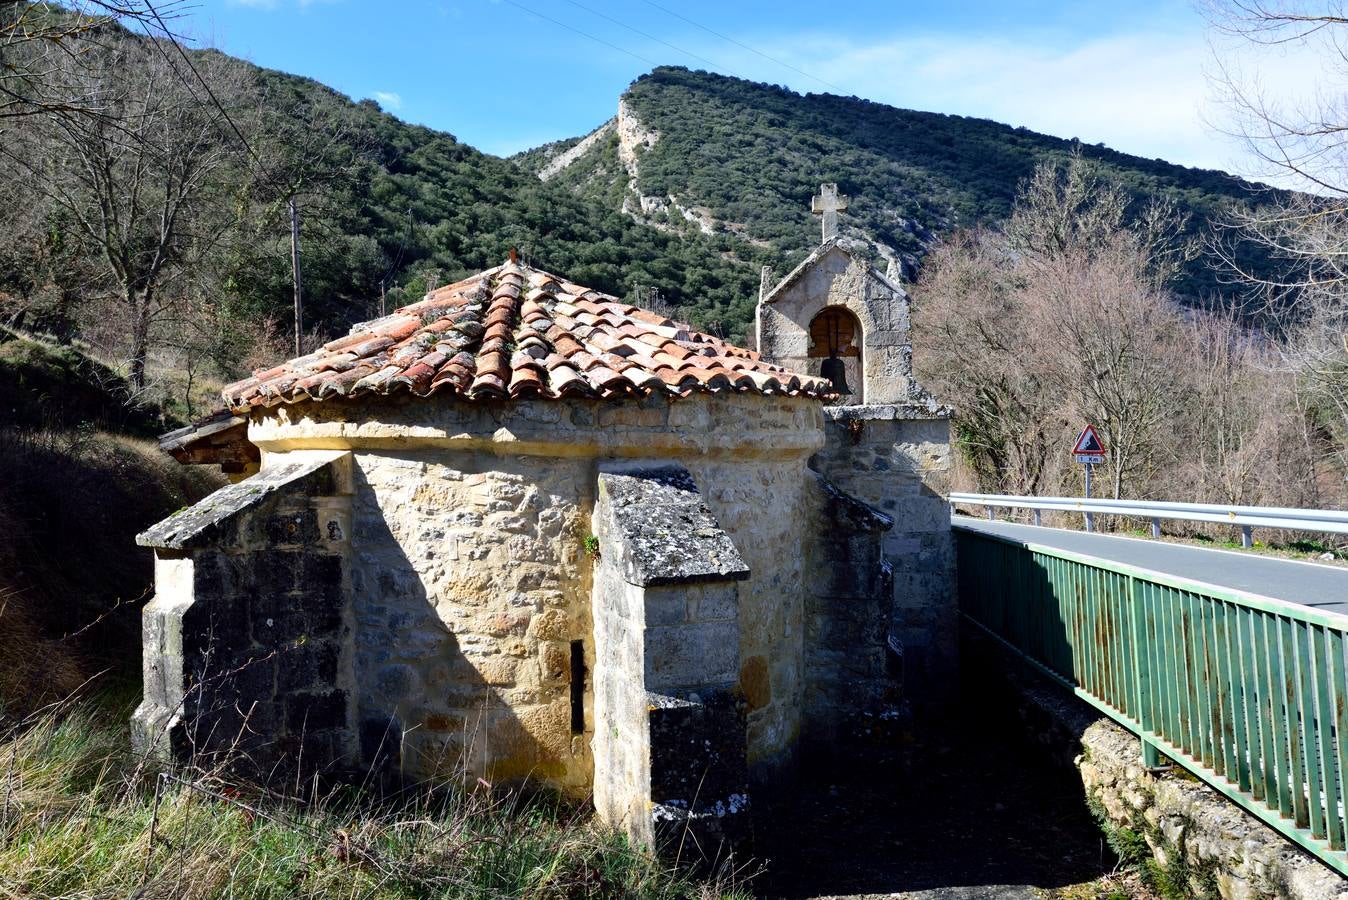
x,y
1125,884
32,665
81,817
71,576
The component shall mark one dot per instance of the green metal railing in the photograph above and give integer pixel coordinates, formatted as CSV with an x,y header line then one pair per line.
x,y
1246,692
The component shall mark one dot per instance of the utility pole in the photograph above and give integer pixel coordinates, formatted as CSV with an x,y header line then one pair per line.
x,y
295,269
1090,517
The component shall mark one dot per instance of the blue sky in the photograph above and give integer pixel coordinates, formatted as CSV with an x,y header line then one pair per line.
x,y
504,75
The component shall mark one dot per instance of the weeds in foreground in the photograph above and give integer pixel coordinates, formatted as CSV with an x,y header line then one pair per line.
x,y
77,820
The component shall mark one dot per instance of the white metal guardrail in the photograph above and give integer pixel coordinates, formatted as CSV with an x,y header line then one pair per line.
x,y
1334,521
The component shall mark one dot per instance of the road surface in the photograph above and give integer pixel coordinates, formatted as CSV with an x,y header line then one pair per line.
x,y
1309,584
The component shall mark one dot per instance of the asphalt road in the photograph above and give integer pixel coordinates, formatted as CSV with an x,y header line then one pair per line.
x,y
1320,586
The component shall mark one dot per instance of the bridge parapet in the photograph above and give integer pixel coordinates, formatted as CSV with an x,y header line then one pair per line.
x,y
1247,693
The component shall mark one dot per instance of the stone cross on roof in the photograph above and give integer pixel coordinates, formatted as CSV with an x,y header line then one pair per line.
x,y
828,204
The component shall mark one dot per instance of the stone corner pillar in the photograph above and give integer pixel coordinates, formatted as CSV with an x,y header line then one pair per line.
x,y
670,742
896,458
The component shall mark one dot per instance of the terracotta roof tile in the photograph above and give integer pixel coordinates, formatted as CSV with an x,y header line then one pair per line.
x,y
515,331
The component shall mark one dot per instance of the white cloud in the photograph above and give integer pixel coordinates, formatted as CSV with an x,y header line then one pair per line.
x,y
388,99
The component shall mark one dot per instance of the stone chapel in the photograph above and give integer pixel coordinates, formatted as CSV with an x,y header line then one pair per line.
x,y
523,531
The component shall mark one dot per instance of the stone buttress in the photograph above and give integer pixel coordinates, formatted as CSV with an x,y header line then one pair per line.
x,y
669,746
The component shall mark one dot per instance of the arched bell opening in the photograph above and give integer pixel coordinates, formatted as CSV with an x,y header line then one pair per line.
x,y
835,340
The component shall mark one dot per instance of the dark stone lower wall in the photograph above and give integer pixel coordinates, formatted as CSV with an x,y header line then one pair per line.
x,y
699,778
245,638
847,603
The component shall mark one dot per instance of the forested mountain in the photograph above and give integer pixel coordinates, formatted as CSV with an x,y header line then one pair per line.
x,y
694,151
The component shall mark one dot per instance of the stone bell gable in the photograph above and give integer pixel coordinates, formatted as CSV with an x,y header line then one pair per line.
x,y
835,305
523,531
887,439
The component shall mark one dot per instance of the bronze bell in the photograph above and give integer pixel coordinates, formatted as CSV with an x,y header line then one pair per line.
x,y
835,371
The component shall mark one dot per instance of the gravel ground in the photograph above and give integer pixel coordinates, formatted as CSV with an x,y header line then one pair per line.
x,y
966,811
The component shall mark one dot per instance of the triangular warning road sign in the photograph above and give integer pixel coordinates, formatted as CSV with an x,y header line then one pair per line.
x,y
1088,443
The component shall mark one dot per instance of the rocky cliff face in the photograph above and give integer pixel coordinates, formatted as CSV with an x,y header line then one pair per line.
x,y
626,138
634,139
563,160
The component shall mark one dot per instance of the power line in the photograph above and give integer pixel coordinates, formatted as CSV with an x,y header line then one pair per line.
x,y
739,44
173,39
644,34
584,34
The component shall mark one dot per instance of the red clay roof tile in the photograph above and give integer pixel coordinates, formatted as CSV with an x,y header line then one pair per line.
x,y
515,331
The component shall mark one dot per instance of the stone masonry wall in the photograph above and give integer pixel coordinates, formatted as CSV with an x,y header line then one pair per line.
x,y
246,654
833,277
763,507
847,601
472,577
471,581
622,743
898,465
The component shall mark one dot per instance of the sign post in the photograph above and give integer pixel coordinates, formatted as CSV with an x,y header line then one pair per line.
x,y
1089,451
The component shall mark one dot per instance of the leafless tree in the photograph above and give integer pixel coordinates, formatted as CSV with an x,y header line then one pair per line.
x,y
1305,141
38,40
1241,435
138,186
1069,208
1066,319
973,345
1106,333
1062,320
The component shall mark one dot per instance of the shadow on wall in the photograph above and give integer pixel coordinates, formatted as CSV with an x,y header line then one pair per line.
x,y
429,702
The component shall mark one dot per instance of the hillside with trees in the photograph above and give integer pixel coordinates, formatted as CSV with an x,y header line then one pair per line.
x,y
152,187
749,156
159,229
384,207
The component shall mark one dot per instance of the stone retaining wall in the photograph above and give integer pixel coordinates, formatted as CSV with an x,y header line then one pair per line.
x,y
1194,841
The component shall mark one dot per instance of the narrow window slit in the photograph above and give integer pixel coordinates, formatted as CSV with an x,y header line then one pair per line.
x,y
577,687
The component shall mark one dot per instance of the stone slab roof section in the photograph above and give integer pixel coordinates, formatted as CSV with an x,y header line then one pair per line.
x,y
218,422
856,515
666,533
197,525
516,332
